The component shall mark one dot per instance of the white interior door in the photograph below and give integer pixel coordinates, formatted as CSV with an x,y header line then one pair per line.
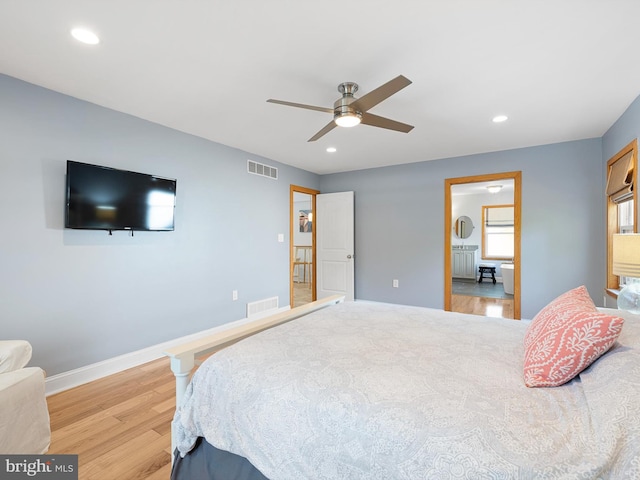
x,y
335,244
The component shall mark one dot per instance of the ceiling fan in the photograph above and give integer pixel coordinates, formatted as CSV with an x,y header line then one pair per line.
x,y
349,111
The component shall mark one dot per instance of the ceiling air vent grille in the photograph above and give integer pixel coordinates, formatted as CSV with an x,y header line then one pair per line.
x,y
262,169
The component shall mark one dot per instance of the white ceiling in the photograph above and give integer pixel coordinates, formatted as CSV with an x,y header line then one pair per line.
x,y
560,69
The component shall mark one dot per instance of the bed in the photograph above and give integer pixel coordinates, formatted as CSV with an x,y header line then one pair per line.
x,y
363,390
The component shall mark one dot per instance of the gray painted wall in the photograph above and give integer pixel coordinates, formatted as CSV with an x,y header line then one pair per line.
x,y
623,131
83,296
399,214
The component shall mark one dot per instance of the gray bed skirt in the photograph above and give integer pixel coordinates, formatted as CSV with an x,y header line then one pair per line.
x,y
206,462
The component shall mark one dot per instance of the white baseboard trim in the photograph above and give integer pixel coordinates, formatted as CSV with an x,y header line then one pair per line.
x,y
73,378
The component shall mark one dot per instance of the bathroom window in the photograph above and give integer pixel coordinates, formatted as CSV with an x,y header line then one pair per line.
x,y
622,202
625,225
498,232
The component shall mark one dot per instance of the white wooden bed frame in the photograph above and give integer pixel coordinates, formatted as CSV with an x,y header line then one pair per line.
x,y
183,357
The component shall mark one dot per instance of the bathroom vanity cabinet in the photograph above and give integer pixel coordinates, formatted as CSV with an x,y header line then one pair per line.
x,y
463,261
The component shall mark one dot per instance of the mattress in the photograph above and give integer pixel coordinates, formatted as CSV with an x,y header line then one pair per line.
x,y
362,390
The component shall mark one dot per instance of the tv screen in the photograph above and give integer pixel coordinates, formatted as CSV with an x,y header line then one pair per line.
x,y
103,198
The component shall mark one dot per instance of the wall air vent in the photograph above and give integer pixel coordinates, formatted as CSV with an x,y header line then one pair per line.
x,y
262,307
262,169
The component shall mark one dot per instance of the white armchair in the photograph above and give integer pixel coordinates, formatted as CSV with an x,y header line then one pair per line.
x,y
24,417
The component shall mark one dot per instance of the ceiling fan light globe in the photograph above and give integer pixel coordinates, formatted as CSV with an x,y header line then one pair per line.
x,y
349,120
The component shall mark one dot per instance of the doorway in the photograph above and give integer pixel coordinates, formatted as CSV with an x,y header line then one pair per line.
x,y
302,241
482,271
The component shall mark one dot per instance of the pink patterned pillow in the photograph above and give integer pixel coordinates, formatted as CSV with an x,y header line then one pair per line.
x,y
565,337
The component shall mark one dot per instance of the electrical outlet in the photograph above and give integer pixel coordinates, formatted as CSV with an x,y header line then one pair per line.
x,y
234,295
396,284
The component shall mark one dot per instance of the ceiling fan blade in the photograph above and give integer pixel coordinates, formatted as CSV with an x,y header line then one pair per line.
x,y
382,122
381,93
326,129
301,105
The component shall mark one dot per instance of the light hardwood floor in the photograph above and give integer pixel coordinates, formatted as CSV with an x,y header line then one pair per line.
x,y
302,294
119,426
489,307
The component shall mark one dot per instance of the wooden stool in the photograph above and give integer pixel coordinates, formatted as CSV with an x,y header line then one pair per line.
x,y
488,269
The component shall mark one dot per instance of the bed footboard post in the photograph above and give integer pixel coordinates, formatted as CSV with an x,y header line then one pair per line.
x,y
181,368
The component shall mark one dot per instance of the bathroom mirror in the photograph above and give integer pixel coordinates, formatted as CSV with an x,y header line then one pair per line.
x,y
464,227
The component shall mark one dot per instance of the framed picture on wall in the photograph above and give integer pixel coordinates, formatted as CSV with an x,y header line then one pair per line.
x,y
306,220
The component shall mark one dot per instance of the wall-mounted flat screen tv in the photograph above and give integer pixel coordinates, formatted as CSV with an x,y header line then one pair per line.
x,y
103,198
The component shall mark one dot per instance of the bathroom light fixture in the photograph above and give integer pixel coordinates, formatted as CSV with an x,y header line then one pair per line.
x,y
500,118
626,263
85,36
332,149
494,188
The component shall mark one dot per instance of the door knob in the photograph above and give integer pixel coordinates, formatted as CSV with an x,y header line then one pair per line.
x,y
348,256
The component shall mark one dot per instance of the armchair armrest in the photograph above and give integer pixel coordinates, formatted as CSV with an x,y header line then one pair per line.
x,y
24,417
14,355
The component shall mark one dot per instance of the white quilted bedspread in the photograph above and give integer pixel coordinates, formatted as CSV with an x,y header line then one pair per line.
x,y
375,391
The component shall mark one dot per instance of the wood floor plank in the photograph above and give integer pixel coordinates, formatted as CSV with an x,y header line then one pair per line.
x,y
61,417
168,404
162,473
136,458
72,436
101,444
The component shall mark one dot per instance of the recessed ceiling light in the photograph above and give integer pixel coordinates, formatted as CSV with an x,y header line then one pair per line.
x,y
500,119
332,149
85,36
